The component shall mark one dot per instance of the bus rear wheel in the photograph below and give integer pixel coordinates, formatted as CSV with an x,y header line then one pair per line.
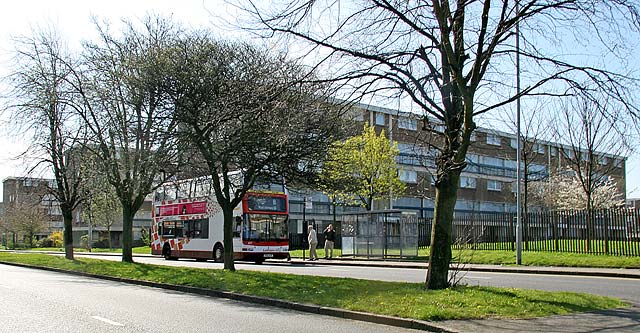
x,y
218,253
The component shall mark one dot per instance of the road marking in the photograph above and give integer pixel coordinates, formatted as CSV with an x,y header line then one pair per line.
x,y
107,321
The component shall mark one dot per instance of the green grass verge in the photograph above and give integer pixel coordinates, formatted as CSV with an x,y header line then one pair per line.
x,y
529,258
135,250
409,300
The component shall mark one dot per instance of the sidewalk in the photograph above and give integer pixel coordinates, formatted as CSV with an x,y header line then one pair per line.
x,y
581,271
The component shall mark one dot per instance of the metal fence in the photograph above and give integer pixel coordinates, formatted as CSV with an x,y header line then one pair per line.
x,y
611,231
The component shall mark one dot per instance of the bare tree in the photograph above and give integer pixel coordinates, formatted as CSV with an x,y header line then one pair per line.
x,y
243,109
453,59
45,108
128,111
28,219
101,208
596,141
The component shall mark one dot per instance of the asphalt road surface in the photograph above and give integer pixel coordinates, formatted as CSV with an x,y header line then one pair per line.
x,y
33,300
623,288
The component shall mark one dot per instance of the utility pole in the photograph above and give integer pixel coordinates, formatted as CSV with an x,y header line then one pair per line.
x,y
519,149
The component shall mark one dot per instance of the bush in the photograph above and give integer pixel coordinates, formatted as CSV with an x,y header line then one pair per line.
x,y
56,239
145,237
101,244
84,242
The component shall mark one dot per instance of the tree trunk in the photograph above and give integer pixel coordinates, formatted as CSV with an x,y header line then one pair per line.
x,y
109,237
67,217
440,252
228,239
589,227
127,233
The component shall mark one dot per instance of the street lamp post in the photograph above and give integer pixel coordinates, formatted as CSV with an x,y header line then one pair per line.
x,y
519,149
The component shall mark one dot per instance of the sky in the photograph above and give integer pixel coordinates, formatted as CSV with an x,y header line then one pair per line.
x,y
73,21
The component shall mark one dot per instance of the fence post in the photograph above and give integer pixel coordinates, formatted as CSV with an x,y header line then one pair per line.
x,y
606,216
513,234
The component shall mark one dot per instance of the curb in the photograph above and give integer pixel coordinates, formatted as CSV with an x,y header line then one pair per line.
x,y
497,269
569,271
302,307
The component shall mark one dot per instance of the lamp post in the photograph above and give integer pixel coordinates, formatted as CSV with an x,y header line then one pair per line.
x,y
519,149
304,225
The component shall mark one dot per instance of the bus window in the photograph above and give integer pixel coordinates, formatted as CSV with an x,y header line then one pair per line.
x,y
196,228
237,226
266,227
172,229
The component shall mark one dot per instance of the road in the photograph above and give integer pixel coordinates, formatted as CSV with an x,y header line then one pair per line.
x,y
41,301
623,288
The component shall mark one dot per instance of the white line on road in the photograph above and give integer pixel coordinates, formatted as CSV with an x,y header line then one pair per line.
x,y
114,323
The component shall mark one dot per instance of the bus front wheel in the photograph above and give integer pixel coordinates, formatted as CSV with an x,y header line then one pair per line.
x,y
218,253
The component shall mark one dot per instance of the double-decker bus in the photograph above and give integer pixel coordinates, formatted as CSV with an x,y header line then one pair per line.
x,y
188,224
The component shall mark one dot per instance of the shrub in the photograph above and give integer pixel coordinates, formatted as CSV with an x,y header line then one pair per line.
x,y
84,242
101,244
56,239
145,237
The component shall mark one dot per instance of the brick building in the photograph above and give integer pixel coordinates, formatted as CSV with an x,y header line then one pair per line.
x,y
34,192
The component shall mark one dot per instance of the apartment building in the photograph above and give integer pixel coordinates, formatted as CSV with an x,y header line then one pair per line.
x,y
487,184
34,192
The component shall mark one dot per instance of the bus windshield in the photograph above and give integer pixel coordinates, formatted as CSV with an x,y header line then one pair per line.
x,y
266,227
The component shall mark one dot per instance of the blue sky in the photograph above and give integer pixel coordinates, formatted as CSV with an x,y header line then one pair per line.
x,y
72,18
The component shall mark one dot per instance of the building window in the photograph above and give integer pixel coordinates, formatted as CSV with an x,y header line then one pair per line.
x,y
514,143
409,176
494,185
407,123
472,138
618,162
602,160
538,148
493,161
554,151
467,182
568,153
584,156
380,119
493,139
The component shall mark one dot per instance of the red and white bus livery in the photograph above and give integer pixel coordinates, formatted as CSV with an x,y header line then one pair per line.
x,y
193,228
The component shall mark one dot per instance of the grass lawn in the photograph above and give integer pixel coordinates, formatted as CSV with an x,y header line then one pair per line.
x,y
529,258
135,250
408,300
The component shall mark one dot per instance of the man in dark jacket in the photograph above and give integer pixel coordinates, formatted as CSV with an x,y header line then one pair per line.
x,y
329,240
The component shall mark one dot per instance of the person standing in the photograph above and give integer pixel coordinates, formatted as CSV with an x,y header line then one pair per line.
x,y
329,240
312,237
